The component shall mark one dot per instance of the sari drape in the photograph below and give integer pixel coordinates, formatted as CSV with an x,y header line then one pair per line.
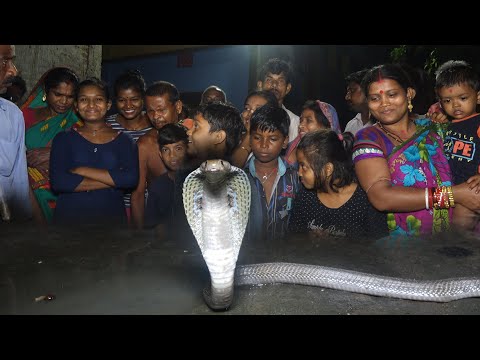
x,y
419,162
40,135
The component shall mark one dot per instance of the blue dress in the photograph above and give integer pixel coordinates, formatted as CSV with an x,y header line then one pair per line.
x,y
119,157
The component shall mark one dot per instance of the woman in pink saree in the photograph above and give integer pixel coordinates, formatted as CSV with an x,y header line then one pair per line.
x,y
400,163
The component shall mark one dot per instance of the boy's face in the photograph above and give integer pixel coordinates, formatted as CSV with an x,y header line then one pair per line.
x,y
267,145
173,155
201,141
459,101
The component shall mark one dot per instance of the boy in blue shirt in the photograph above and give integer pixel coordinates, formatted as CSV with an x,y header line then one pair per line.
x,y
274,181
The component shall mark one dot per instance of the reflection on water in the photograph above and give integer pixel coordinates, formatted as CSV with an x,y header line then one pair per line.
x,y
93,270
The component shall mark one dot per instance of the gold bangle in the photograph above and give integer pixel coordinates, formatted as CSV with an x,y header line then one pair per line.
x,y
450,196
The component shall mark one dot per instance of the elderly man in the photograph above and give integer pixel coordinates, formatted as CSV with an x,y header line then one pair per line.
x,y
15,199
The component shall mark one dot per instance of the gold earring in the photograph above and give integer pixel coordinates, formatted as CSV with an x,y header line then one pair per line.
x,y
44,97
410,106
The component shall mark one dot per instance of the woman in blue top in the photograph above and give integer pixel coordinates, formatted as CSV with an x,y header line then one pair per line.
x,y
92,166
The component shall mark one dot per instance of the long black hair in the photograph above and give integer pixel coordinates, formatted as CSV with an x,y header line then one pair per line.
x,y
326,146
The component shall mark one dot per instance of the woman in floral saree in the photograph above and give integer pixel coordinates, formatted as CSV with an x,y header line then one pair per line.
x,y
400,163
47,111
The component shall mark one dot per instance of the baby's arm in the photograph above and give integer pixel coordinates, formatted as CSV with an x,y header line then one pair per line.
x,y
464,218
474,182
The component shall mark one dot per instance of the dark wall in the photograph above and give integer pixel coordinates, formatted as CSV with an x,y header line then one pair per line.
x,y
226,67
328,66
319,70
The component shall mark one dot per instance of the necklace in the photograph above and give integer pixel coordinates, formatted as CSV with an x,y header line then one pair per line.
x,y
266,177
94,132
392,135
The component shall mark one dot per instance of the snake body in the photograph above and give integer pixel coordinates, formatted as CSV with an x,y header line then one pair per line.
x,y
217,204
358,282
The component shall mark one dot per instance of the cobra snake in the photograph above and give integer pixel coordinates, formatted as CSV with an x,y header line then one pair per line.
x,y
217,199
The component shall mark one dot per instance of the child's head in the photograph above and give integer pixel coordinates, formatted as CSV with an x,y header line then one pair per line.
x,y
312,118
325,160
269,132
217,130
458,88
92,92
173,142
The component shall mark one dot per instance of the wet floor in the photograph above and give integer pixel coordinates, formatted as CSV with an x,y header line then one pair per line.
x,y
116,271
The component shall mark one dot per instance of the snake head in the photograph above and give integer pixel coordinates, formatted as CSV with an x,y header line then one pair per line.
x,y
215,170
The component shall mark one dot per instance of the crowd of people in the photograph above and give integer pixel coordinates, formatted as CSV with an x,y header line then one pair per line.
x,y
392,172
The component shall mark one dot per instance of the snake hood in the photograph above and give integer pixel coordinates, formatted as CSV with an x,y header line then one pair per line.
x,y
216,199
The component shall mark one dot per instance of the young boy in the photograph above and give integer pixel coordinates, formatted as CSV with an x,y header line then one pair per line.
x,y
272,179
172,142
217,129
458,89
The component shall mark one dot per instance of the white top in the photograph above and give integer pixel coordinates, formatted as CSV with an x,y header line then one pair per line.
x,y
357,124
294,122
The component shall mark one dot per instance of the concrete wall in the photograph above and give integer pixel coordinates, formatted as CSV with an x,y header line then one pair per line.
x,y
33,60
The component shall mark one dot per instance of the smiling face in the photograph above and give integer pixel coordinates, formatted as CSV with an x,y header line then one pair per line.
x,y
60,98
459,101
388,101
200,139
129,103
173,155
91,103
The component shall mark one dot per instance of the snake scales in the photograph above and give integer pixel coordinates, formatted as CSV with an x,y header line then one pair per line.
x,y
217,203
